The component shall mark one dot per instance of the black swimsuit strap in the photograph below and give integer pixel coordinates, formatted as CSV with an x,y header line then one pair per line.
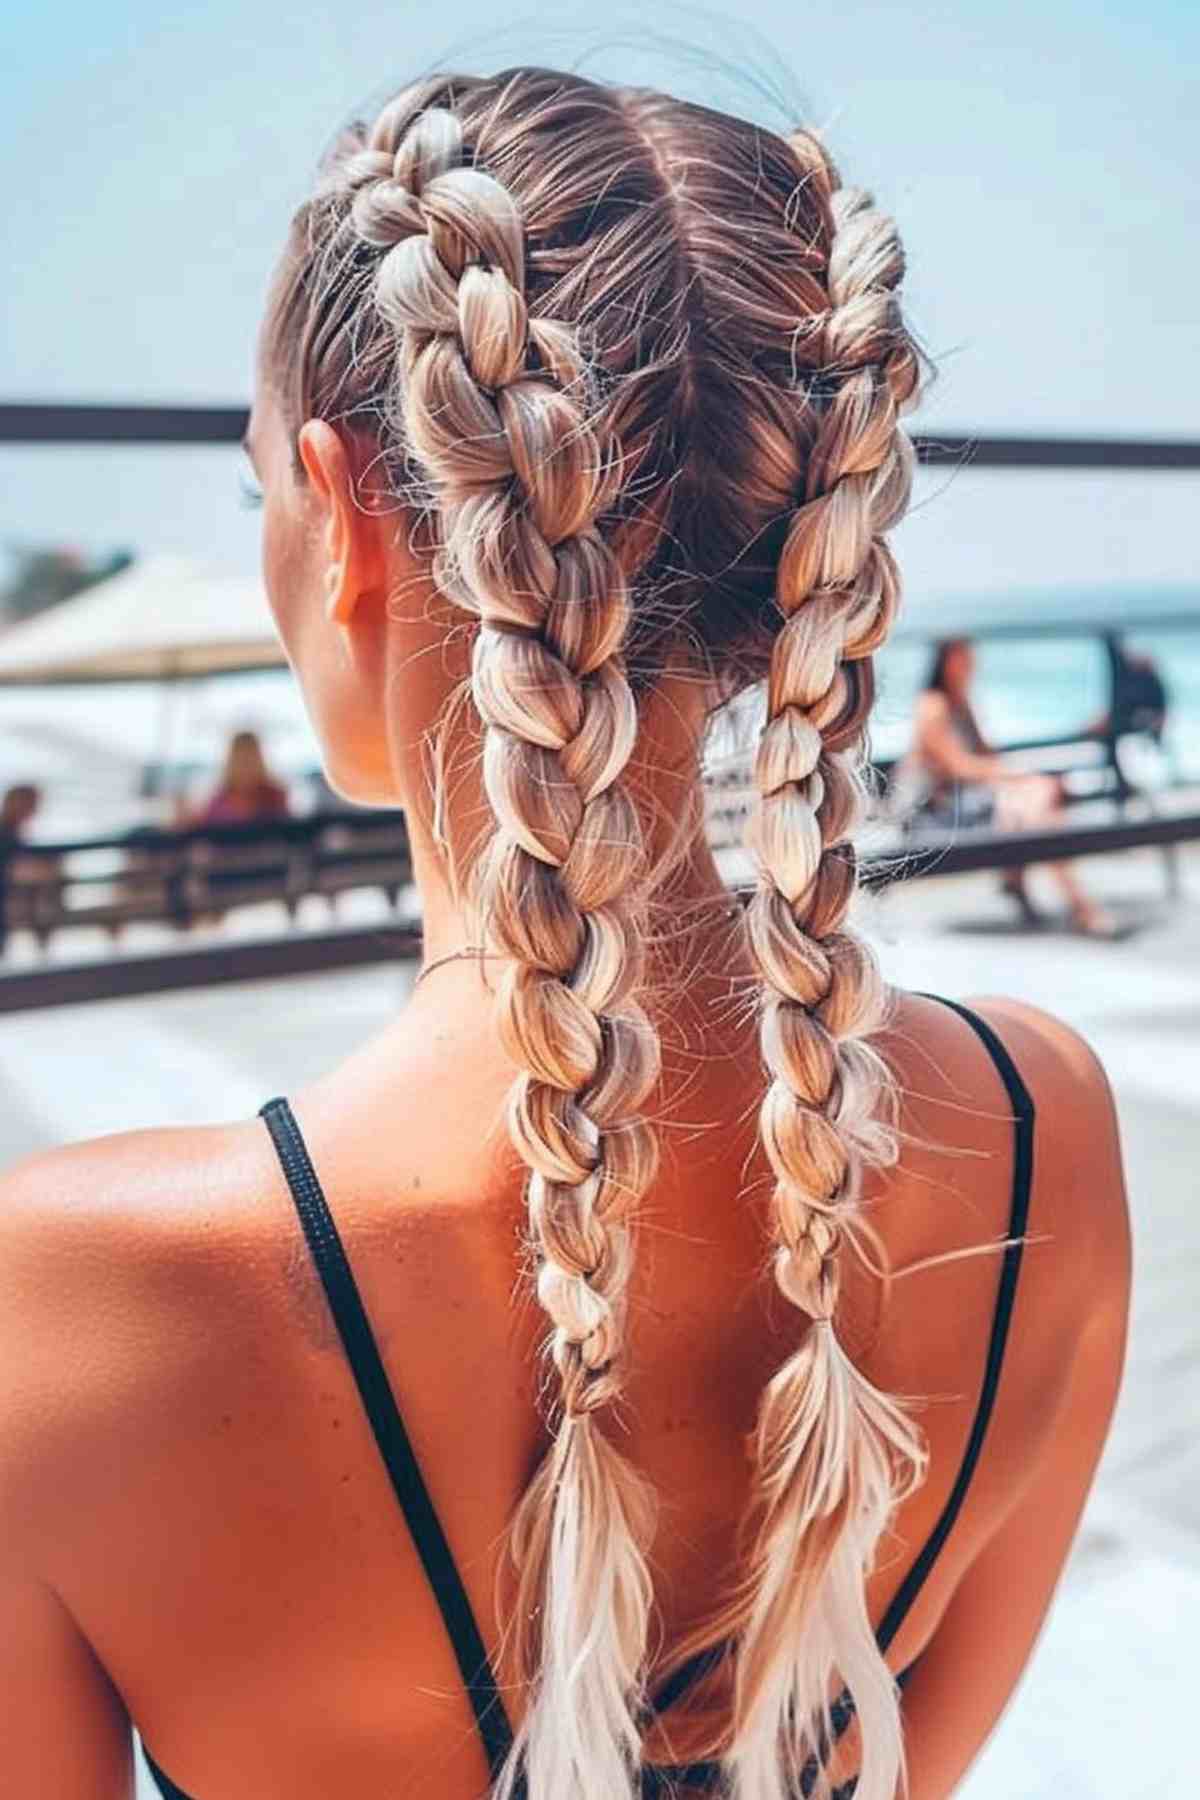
x,y
693,1671
165,1785
1022,1180
354,1328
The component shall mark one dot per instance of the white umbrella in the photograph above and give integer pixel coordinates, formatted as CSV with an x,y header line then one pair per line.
x,y
164,620
158,620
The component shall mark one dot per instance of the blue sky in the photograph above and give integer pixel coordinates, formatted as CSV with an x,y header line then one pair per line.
x,y
1040,158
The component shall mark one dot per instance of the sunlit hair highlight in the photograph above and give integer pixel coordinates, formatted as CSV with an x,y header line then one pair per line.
x,y
639,368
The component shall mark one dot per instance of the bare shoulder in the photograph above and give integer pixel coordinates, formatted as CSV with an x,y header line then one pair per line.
x,y
119,1201
1078,1203
146,1270
115,1255
1078,1165
1076,1156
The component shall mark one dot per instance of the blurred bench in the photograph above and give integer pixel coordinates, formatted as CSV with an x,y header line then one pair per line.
x,y
1090,831
54,983
183,878
357,852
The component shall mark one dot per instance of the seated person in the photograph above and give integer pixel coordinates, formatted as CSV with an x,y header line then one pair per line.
x,y
1133,724
20,874
1139,694
246,790
956,779
18,807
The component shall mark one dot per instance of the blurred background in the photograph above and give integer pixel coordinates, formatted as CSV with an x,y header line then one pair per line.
x,y
190,919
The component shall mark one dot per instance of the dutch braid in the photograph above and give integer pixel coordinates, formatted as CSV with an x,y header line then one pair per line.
x,y
493,405
834,1454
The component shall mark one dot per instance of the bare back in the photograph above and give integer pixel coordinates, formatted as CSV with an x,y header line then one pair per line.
x,y
241,1569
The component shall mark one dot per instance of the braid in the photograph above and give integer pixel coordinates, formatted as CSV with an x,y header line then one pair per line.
x,y
834,1454
493,406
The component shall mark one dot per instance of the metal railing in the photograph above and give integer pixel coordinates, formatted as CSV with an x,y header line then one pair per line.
x,y
52,423
178,878
307,952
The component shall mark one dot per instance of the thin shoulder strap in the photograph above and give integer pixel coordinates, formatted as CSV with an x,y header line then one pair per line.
x,y
354,1328
1022,1180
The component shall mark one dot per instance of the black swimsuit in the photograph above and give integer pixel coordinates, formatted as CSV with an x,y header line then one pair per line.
x,y
359,1342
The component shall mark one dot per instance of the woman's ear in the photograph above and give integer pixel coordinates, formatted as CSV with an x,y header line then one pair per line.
x,y
351,540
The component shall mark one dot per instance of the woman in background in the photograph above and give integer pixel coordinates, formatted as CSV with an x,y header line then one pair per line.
x,y
18,807
578,409
246,789
21,876
960,781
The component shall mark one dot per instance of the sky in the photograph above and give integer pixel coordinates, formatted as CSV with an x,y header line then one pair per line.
x,y
1039,157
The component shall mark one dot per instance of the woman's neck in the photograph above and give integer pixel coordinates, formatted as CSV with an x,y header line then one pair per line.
x,y
663,779
690,900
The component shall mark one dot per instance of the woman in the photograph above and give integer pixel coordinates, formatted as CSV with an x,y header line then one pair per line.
x,y
247,790
18,805
21,877
963,782
577,409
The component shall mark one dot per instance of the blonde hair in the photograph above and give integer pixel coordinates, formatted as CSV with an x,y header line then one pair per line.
x,y
639,366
